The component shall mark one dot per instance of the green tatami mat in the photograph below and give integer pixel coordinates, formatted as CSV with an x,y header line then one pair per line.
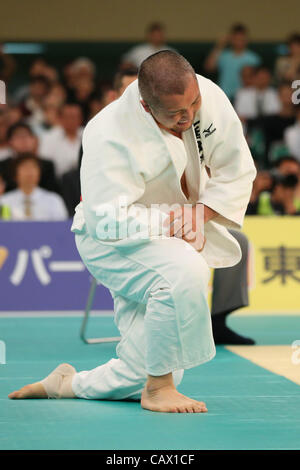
x,y
248,406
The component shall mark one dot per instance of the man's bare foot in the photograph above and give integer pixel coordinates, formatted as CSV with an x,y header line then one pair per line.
x,y
161,395
58,384
35,390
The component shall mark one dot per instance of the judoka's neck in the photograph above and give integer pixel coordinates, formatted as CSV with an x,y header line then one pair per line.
x,y
177,134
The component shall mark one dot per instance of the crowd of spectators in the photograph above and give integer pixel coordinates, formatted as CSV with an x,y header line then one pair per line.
x,y
42,123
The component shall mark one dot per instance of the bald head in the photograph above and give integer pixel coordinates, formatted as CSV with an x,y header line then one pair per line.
x,y
163,73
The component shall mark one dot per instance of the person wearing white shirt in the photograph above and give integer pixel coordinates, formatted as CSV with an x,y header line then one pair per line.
x,y
156,41
5,150
292,137
258,100
28,201
61,144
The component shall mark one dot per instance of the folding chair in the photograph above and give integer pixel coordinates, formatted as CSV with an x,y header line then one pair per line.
x,y
83,328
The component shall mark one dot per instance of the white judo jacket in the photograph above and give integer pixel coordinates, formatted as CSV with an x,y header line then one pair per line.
x,y
125,154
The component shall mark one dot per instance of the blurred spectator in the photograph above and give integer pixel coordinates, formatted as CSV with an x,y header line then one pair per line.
x,y
7,65
51,116
5,213
155,42
71,179
280,200
81,86
290,166
123,78
287,68
108,96
257,100
247,76
21,139
101,97
262,182
52,104
84,68
36,68
271,129
57,94
81,69
14,114
32,106
5,150
229,62
28,201
39,67
96,103
68,76
61,144
292,136
82,94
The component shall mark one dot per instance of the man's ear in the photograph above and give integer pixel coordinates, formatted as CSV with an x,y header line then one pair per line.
x,y
145,106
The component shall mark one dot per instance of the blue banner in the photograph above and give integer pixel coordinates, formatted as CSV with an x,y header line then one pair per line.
x,y
40,269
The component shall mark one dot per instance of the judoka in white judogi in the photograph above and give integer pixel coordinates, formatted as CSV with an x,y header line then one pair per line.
x,y
159,284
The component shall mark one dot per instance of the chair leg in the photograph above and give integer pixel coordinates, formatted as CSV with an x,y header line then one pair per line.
x,y
88,307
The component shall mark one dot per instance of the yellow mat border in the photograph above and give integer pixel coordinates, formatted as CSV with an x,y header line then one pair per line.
x,y
283,360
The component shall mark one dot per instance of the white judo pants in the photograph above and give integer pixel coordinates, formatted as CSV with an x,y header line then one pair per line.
x,y
160,302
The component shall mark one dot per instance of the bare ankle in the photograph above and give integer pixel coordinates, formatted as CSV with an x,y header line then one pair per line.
x,y
155,383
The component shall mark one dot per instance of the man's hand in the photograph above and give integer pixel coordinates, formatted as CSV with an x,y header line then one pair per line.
x,y
187,222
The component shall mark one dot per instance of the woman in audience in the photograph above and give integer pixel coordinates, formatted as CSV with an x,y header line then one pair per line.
x,y
29,201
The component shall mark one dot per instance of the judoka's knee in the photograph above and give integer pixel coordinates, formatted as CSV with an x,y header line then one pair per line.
x,y
192,277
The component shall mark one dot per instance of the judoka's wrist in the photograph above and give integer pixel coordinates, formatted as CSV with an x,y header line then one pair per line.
x,y
208,213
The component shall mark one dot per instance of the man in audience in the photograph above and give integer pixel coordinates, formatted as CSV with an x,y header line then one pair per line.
x,y
79,81
262,182
247,76
258,100
71,179
123,78
21,139
155,42
229,62
29,201
14,114
62,143
5,150
52,103
289,165
32,106
287,68
84,68
280,200
39,67
272,127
